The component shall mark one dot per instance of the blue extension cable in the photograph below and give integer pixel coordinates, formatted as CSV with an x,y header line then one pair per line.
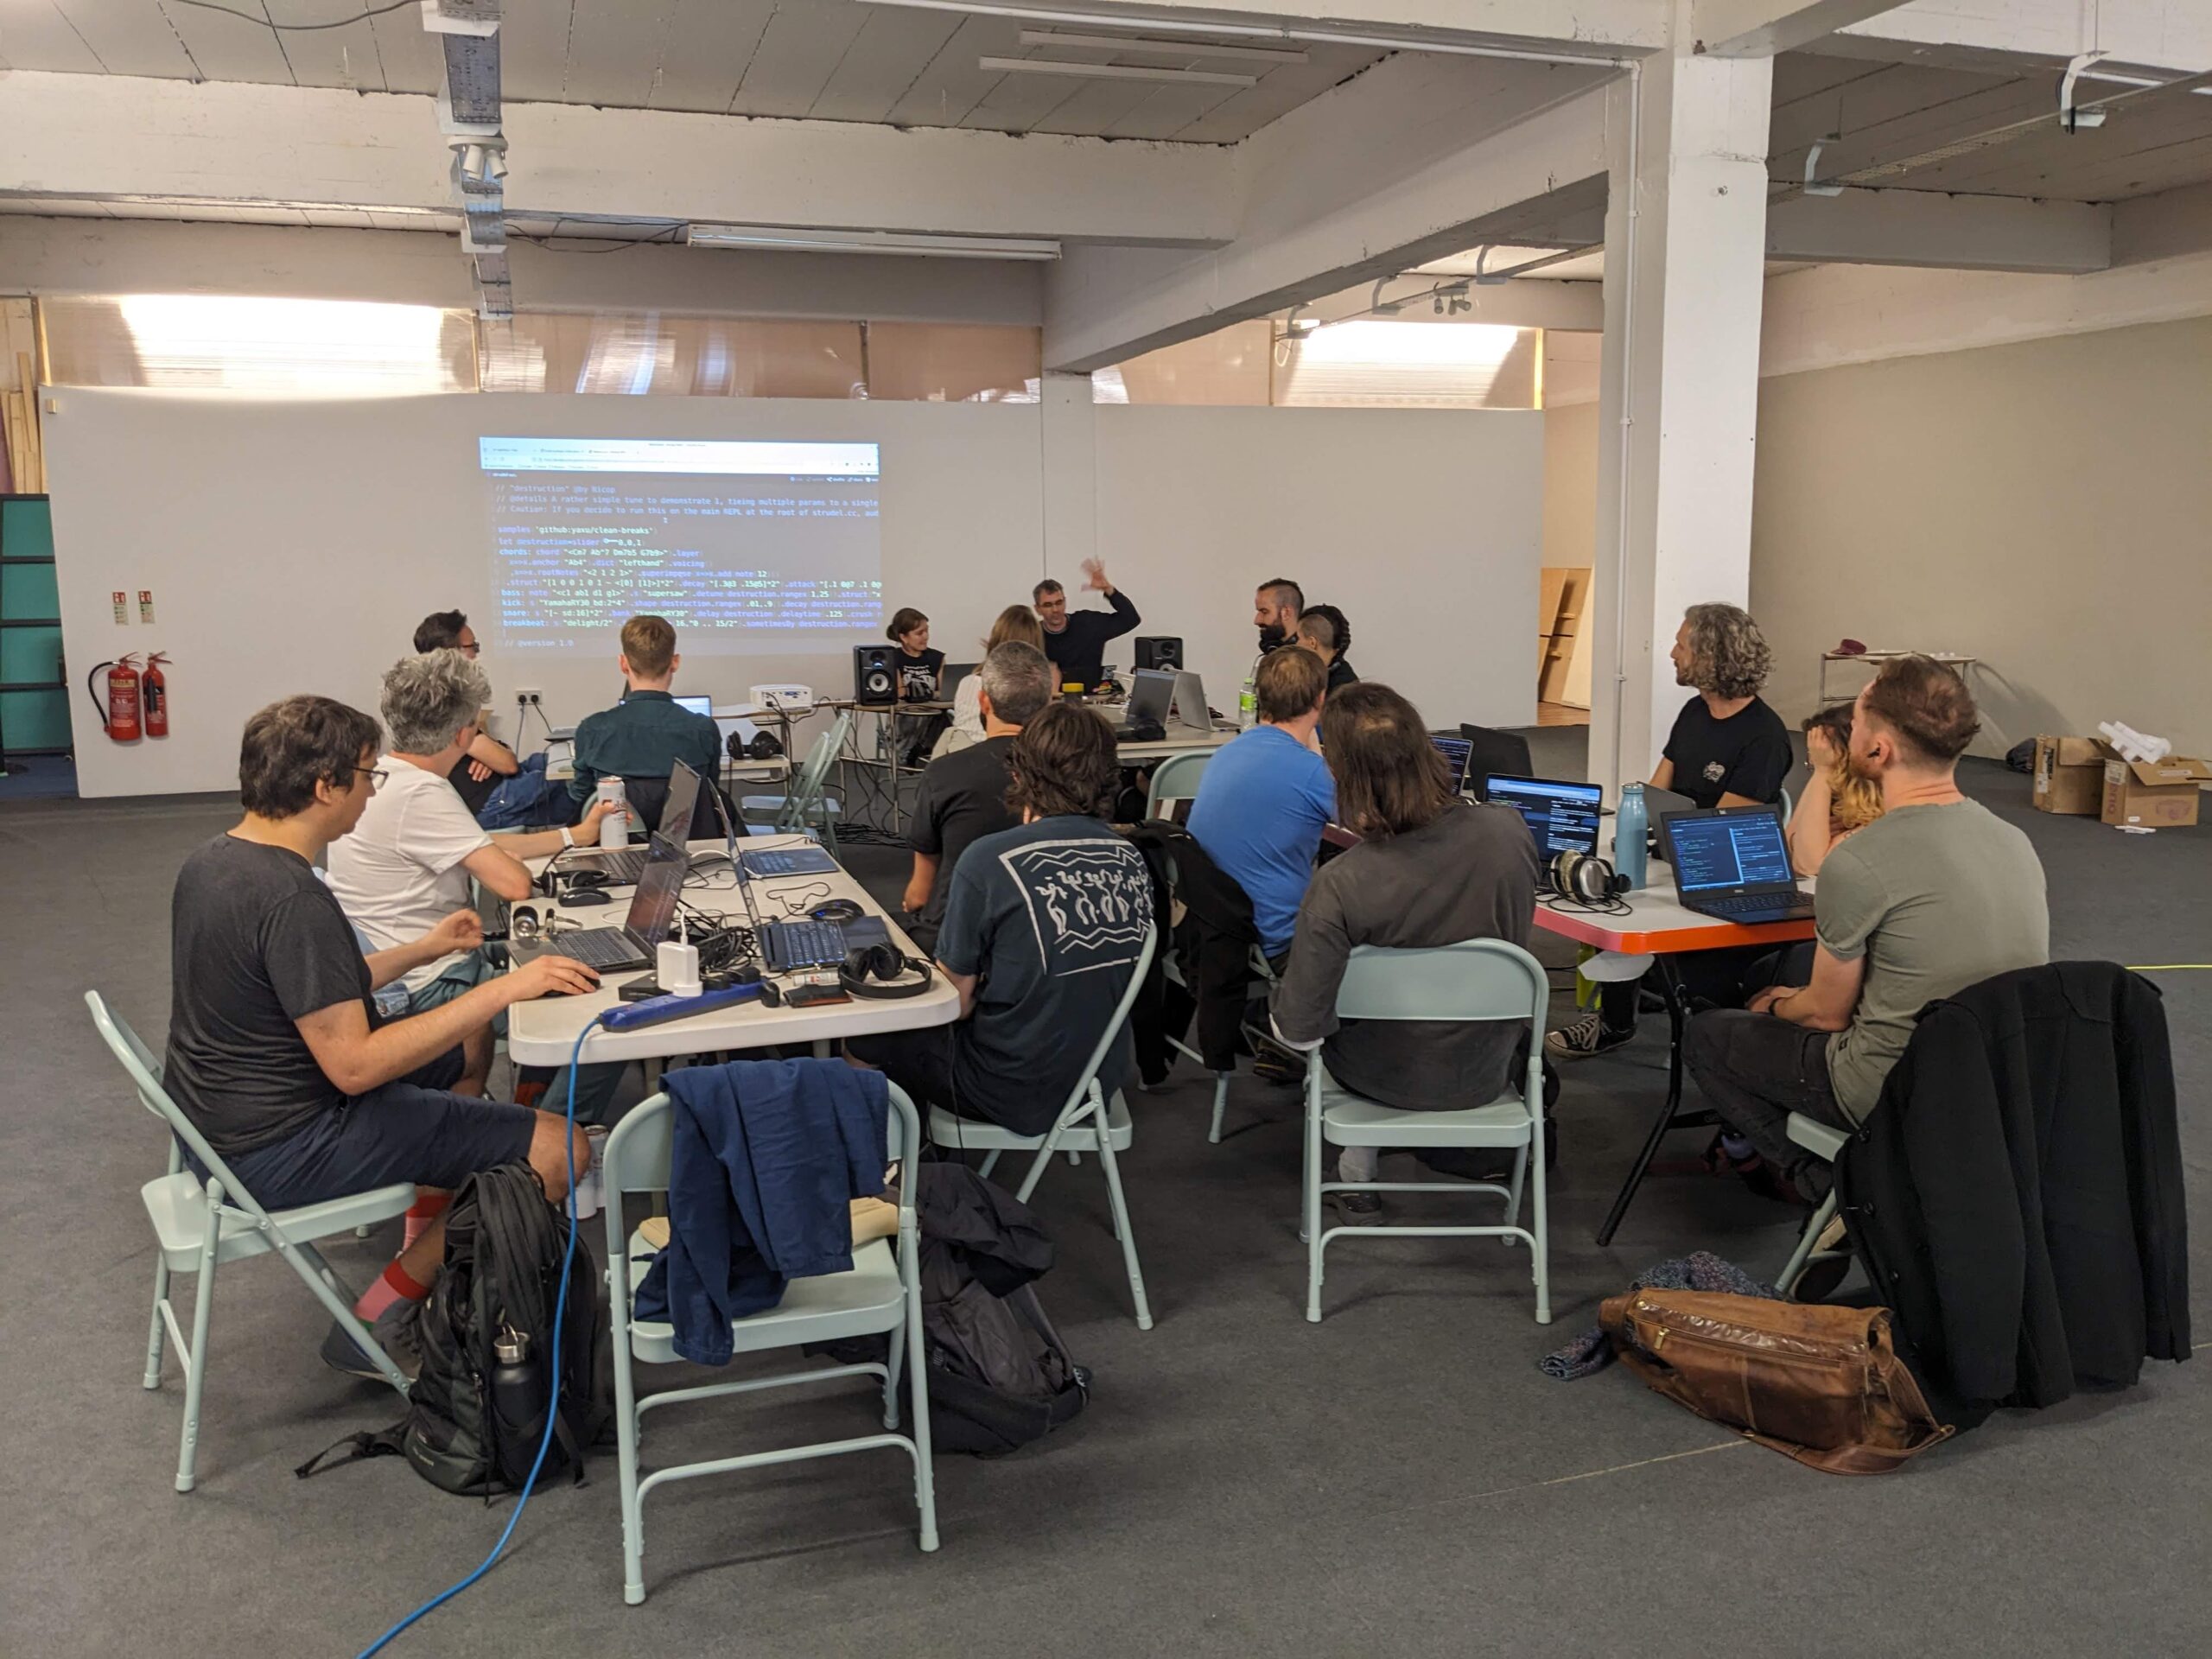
x,y
553,1406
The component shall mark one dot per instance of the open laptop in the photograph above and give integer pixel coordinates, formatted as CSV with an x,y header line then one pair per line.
x,y
697,705
802,942
1491,750
1561,815
627,864
1455,751
652,919
1733,862
1189,708
1152,692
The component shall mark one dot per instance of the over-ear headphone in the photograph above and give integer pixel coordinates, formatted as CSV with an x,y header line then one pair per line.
x,y
875,971
1586,877
836,909
764,745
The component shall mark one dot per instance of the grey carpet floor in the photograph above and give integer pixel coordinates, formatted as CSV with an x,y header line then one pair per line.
x,y
1397,1479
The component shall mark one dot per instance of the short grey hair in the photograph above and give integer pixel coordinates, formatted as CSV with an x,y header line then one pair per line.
x,y
1018,681
428,699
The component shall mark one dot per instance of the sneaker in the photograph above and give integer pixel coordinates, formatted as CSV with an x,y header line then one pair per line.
x,y
395,1330
1585,1037
1272,1065
1358,1208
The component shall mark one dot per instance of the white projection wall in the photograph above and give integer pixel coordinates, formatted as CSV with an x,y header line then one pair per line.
x,y
293,546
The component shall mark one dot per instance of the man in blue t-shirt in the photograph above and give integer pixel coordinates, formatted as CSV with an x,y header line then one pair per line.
x,y
1042,930
1266,797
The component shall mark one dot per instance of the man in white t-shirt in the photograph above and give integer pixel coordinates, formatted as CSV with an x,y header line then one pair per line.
x,y
411,855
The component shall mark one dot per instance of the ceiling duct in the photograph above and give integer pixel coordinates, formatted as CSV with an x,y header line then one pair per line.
x,y
468,115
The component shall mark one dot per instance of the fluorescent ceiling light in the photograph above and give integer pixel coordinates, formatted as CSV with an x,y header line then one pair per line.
x,y
1112,72
793,240
1142,44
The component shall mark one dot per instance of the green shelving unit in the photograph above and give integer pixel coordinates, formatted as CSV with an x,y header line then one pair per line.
x,y
34,685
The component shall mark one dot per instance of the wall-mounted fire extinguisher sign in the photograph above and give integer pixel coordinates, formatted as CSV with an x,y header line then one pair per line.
x,y
156,691
118,707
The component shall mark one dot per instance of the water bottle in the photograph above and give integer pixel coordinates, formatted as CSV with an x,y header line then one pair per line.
x,y
1628,836
1248,705
614,828
518,1404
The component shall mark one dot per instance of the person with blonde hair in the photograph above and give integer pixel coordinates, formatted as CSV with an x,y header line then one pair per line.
x,y
1838,802
1017,623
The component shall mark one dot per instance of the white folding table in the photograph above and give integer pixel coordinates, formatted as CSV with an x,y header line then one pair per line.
x,y
544,1033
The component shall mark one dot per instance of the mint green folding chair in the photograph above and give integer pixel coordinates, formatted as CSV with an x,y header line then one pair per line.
x,y
1827,1143
198,1228
1088,1123
880,1295
807,805
1175,779
1477,979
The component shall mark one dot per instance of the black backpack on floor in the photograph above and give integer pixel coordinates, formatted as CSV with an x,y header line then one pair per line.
x,y
501,1277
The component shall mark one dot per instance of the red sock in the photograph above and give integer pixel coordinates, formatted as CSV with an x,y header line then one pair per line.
x,y
426,1209
392,1285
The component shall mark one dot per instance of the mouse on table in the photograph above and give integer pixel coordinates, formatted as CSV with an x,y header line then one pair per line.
x,y
574,900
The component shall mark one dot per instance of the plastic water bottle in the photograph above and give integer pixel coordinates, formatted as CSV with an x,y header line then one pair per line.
x,y
1248,704
1628,836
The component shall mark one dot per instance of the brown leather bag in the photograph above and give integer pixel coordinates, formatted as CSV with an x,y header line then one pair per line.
x,y
1823,1384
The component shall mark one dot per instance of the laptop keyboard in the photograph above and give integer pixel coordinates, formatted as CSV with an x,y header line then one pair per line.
x,y
619,868
797,861
598,947
1736,904
801,944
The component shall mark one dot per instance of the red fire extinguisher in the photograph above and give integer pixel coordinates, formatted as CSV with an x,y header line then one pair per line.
x,y
157,696
118,711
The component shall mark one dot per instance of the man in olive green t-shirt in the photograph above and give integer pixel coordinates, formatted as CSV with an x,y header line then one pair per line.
x,y
1936,895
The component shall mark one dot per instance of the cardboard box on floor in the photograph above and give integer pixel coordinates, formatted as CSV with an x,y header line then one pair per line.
x,y
2070,775
2153,794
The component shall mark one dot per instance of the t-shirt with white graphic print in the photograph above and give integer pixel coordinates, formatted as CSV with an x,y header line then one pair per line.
x,y
1051,918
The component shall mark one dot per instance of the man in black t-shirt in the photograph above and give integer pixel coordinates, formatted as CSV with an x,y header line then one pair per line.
x,y
1077,639
1042,932
277,1051
1727,749
963,796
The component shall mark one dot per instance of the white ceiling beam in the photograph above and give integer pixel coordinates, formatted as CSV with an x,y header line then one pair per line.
x,y
1760,29
1418,157
1583,27
1926,228
1525,303
92,136
2170,35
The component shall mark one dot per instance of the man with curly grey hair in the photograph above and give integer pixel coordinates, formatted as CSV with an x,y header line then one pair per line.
x,y
1727,749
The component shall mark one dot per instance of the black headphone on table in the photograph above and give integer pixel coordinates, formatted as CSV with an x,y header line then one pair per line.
x,y
1586,877
836,909
875,971
762,746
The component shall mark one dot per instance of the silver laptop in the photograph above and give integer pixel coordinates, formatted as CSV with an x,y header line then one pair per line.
x,y
1190,710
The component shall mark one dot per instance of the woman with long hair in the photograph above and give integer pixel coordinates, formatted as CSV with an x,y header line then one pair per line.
x,y
1016,622
1430,869
1838,802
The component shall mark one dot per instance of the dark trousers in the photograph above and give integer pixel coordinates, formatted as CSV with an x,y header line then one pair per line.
x,y
1756,1069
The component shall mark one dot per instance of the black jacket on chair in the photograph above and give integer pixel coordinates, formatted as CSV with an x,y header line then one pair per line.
x,y
2017,1194
1212,945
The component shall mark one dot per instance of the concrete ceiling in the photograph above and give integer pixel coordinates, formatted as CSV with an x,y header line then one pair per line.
x,y
816,60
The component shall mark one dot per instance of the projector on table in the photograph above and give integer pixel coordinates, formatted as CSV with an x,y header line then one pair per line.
x,y
783,699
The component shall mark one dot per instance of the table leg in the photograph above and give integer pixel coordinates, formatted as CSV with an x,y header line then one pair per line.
x,y
1671,1115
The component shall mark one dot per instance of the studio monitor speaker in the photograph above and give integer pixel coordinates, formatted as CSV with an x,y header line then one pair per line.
x,y
1162,650
876,677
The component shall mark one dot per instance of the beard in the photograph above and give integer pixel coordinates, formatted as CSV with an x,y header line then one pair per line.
x,y
1272,636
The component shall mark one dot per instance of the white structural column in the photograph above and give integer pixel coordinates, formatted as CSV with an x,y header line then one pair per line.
x,y
1685,251
1067,435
